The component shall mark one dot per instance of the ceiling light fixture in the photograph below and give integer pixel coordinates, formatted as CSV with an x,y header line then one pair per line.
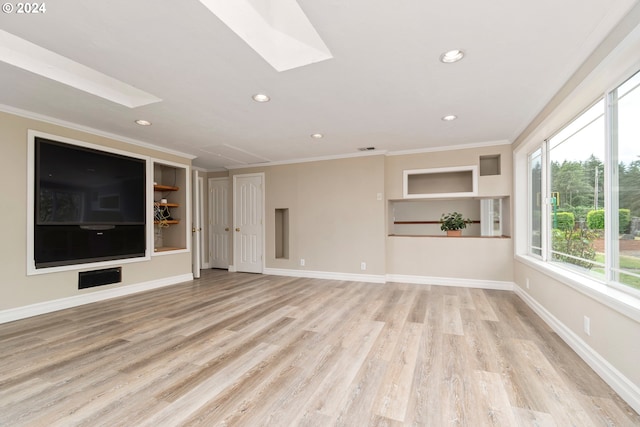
x,y
317,136
261,97
451,56
143,122
449,118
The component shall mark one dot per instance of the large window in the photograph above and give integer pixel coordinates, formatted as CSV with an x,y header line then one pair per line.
x,y
625,139
584,185
576,160
535,201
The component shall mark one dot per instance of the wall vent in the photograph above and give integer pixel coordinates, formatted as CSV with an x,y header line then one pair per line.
x,y
107,276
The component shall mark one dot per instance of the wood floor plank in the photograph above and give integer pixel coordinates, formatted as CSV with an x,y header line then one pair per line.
x,y
606,411
526,418
419,309
458,391
482,305
482,343
329,395
357,404
199,394
394,314
291,400
452,318
496,409
465,298
551,389
255,386
393,396
254,350
425,402
219,360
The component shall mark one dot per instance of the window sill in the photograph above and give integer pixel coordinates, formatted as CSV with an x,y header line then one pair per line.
x,y
622,302
444,236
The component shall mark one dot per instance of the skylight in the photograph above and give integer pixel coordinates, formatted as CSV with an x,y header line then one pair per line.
x,y
279,31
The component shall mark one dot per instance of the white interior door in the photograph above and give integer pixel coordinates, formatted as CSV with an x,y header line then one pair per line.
x,y
248,215
219,224
196,228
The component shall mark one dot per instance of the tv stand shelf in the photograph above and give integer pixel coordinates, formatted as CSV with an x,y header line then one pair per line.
x,y
169,221
427,222
159,187
167,249
169,207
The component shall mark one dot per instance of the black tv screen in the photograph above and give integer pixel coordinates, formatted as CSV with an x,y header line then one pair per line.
x,y
89,204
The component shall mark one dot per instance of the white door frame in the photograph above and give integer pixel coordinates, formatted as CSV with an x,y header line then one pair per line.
x,y
204,260
236,247
211,231
196,225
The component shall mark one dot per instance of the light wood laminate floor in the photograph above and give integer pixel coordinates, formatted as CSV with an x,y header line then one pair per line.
x,y
254,350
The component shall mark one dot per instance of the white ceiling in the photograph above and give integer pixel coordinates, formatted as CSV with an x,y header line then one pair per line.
x,y
384,86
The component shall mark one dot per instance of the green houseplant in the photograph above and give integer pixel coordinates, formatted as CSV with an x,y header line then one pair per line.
x,y
453,223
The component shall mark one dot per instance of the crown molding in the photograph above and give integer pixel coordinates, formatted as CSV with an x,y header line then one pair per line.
x,y
310,159
450,147
75,126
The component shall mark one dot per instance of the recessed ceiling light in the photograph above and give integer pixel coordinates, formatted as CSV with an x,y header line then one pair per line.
x,y
261,97
454,55
317,136
143,122
449,118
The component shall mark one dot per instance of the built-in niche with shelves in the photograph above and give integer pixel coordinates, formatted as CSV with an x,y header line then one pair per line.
x,y
430,193
490,165
459,181
169,207
282,233
490,216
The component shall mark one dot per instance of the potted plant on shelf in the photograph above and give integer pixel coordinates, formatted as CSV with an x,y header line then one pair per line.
x,y
453,223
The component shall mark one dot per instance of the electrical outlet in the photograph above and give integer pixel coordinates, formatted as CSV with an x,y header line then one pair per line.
x,y
363,266
587,325
302,262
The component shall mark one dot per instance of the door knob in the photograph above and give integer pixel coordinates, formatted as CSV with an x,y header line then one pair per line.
x,y
226,229
238,229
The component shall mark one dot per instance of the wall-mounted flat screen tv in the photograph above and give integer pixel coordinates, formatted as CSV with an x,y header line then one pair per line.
x,y
89,205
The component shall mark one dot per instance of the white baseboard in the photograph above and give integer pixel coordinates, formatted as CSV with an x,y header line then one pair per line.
x,y
447,281
396,278
18,313
620,383
370,278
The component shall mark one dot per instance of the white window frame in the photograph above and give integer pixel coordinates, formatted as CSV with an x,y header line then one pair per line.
x,y
622,298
